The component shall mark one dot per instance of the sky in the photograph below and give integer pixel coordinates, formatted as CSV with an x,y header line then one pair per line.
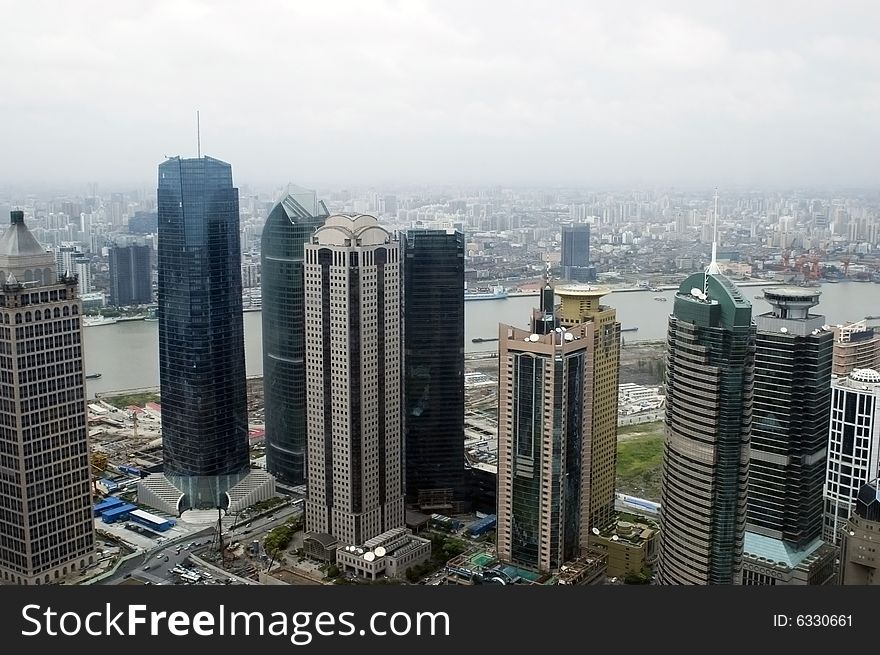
x,y
326,92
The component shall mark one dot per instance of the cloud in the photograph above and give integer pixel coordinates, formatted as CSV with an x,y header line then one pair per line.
x,y
353,93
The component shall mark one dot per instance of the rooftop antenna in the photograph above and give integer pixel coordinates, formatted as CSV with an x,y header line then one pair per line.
x,y
198,135
713,269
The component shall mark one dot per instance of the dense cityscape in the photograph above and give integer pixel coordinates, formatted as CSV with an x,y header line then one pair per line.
x,y
446,391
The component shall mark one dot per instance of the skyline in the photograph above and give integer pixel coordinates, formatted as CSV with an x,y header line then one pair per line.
x,y
410,93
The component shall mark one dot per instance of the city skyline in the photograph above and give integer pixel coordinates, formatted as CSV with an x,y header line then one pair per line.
x,y
459,94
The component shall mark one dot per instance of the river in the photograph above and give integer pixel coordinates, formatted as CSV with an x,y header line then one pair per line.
x,y
127,354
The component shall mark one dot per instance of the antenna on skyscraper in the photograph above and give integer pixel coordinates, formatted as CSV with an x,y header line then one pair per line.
x,y
198,135
713,269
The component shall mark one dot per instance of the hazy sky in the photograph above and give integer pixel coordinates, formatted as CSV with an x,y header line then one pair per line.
x,y
365,92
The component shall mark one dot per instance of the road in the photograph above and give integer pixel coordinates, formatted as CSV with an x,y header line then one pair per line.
x,y
250,530
137,564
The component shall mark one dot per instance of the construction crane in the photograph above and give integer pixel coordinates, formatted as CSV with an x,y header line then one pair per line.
x,y
845,261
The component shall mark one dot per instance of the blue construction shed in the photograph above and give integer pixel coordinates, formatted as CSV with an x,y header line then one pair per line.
x,y
107,504
117,513
483,525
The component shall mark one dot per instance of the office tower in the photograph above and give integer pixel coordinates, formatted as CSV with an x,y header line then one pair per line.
x,y
792,404
576,252
710,369
82,267
201,340
434,368
853,446
544,417
65,260
46,526
289,226
855,346
354,364
131,281
580,303
859,559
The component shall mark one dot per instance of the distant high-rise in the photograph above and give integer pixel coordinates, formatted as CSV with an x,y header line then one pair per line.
x,y
544,418
143,223
354,377
130,276
201,339
856,346
434,367
710,369
859,558
789,441
289,226
82,267
575,259
581,303
853,446
46,524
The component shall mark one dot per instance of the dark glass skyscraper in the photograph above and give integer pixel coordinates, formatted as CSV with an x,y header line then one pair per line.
x,y
130,276
288,228
201,337
434,367
790,419
710,370
576,252
788,448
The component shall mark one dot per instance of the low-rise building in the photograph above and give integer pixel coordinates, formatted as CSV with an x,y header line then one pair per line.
x,y
631,547
389,554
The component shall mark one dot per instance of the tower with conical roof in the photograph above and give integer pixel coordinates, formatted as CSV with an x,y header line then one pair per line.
x,y
46,526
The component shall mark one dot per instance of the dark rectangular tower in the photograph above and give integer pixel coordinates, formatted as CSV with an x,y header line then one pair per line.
x,y
790,420
201,337
434,367
130,276
576,252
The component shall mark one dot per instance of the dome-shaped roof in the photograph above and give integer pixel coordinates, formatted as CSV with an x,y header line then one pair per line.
x,y
865,375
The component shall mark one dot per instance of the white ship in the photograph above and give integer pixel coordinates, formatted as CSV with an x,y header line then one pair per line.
x,y
92,321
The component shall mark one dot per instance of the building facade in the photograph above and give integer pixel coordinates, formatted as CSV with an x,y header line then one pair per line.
x,y
575,259
853,446
544,418
131,281
46,527
434,368
354,379
789,441
856,346
201,338
289,226
581,303
710,370
859,557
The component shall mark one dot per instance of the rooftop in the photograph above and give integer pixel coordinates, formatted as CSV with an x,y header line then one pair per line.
x,y
777,551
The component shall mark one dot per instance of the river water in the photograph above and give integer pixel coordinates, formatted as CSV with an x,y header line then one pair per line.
x,y
126,354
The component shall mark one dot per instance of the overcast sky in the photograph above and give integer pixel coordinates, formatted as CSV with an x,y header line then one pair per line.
x,y
325,92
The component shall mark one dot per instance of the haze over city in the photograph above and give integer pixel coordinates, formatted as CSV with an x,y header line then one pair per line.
x,y
348,93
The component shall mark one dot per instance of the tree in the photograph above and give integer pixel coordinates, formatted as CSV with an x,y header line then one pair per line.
x,y
333,571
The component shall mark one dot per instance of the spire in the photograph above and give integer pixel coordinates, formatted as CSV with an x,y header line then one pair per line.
x,y
713,268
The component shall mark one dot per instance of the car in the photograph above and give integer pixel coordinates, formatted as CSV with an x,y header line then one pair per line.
x,y
147,567
165,558
160,556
